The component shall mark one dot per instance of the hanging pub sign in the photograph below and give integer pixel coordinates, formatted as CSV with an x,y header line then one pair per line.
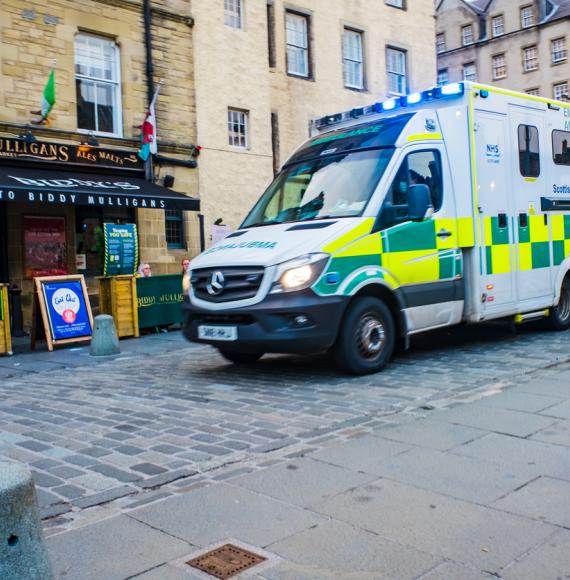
x,y
121,249
45,246
63,304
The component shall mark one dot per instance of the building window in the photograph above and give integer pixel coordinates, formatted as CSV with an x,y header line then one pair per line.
x,y
174,228
353,59
533,92
440,43
297,27
558,50
469,72
238,128
529,155
527,16
499,66
498,25
233,13
395,3
560,150
396,67
442,77
98,85
561,91
467,35
530,58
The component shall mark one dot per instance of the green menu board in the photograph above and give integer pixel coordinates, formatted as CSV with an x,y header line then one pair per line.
x,y
121,249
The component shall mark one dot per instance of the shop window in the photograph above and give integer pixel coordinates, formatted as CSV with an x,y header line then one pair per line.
x,y
174,228
353,59
396,68
297,32
560,149
98,87
529,155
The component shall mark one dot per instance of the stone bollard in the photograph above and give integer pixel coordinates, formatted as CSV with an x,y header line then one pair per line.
x,y
23,555
105,341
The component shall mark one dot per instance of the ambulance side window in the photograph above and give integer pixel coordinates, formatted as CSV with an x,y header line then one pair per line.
x,y
418,167
529,155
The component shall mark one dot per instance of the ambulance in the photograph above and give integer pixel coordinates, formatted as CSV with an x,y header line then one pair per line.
x,y
442,207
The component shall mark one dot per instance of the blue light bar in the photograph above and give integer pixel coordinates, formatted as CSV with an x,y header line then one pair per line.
x,y
451,89
413,99
389,105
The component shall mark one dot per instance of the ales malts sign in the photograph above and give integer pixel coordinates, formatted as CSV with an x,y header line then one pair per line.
x,y
59,153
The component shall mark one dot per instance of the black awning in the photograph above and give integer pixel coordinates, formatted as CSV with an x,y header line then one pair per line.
x,y
48,187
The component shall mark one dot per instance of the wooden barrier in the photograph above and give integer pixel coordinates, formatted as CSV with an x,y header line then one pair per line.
x,y
118,297
5,336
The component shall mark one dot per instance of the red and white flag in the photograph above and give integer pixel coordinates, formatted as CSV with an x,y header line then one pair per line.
x,y
148,128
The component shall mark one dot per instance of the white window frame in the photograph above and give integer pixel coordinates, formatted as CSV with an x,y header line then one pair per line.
x,y
535,92
467,39
440,43
114,83
242,118
395,3
469,71
353,58
292,47
394,73
495,67
530,58
527,16
558,95
558,53
442,76
233,14
498,25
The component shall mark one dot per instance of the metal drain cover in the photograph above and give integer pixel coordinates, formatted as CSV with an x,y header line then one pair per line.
x,y
226,561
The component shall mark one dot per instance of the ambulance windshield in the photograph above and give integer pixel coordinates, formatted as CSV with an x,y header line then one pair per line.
x,y
332,186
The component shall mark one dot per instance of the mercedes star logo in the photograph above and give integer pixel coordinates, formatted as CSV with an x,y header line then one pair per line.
x,y
216,284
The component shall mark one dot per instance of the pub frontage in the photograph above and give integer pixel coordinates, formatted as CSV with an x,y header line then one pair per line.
x,y
54,201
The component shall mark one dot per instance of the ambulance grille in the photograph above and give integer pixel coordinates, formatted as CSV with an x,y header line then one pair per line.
x,y
227,284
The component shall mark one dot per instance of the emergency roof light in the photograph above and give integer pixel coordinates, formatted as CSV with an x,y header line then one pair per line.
x,y
444,91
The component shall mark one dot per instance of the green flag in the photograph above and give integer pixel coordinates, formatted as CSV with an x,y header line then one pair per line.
x,y
48,98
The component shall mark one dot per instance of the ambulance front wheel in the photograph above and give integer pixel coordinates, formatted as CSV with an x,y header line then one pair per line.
x,y
240,358
366,338
559,318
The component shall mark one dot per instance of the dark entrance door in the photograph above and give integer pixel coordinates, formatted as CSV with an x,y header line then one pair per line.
x,y
3,243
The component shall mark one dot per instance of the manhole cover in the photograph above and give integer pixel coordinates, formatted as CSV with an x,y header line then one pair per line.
x,y
226,561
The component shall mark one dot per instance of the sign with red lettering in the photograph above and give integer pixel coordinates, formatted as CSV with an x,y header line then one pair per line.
x,y
45,247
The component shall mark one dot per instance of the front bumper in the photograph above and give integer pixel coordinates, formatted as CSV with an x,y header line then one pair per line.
x,y
273,324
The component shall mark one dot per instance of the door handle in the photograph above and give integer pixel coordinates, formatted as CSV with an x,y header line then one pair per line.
x,y
443,233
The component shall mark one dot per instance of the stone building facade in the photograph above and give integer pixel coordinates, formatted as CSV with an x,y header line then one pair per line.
x,y
265,68
99,49
517,44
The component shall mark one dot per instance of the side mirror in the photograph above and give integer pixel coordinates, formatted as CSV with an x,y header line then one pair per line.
x,y
419,203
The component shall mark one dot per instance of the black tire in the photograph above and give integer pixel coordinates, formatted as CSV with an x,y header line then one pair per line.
x,y
559,317
240,358
366,338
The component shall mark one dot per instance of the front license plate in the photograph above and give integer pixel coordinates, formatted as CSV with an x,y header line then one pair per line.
x,y
217,332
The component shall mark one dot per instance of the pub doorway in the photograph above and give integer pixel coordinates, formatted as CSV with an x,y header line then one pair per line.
x,y
4,273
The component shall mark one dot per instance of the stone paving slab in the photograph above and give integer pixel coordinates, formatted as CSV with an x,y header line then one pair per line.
x,y
561,410
337,548
453,571
521,401
466,533
113,549
553,386
558,433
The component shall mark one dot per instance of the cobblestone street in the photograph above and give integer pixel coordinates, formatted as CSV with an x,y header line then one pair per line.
x,y
167,416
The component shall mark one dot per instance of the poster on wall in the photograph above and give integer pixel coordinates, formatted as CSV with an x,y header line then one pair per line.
x,y
45,247
65,309
121,249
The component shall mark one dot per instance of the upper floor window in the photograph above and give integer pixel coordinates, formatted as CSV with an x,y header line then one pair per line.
x,y
530,58
499,65
233,13
395,3
396,67
529,154
238,130
440,43
98,87
558,50
467,35
527,16
442,76
353,59
498,25
297,28
469,72
561,91
534,92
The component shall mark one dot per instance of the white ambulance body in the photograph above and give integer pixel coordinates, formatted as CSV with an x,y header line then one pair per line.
x,y
441,207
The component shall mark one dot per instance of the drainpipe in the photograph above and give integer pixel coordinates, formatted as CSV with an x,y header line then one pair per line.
x,y
147,14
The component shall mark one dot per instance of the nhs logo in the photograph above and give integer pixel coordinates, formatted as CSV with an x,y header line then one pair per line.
x,y
493,153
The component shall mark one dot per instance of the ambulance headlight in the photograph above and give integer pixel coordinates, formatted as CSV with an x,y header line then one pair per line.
x,y
186,282
299,273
